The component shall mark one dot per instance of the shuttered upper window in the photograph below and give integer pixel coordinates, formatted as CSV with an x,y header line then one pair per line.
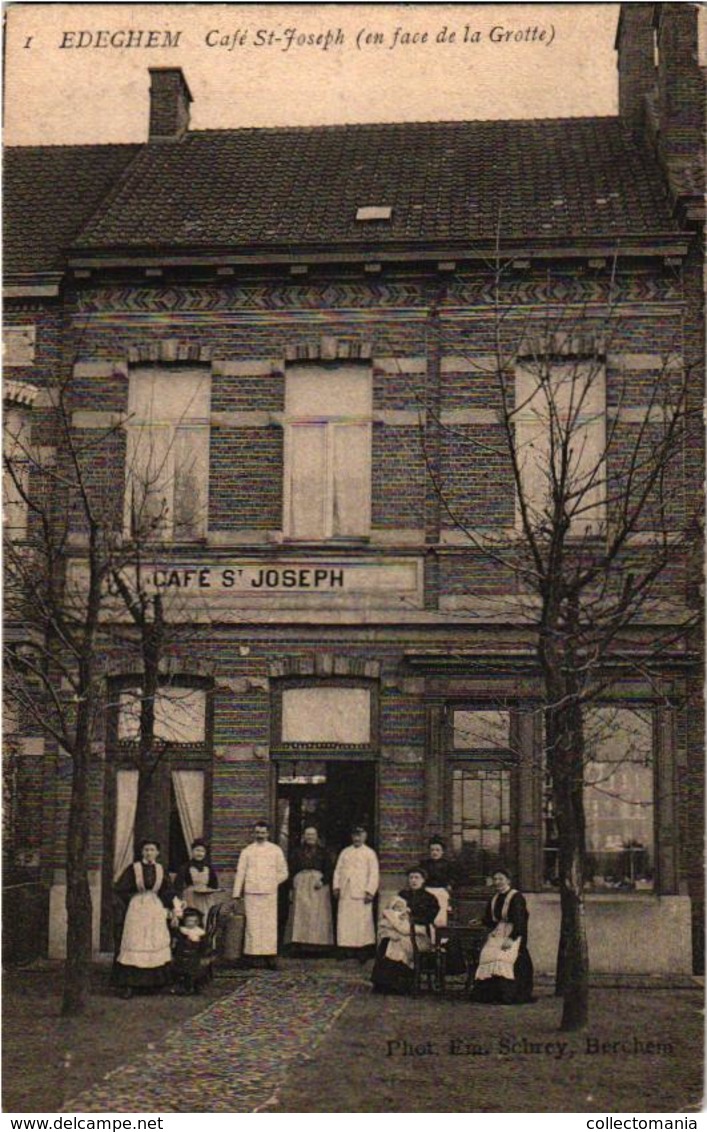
x,y
167,454
327,452
560,436
16,467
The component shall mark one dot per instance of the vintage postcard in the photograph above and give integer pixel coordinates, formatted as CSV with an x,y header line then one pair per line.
x,y
353,567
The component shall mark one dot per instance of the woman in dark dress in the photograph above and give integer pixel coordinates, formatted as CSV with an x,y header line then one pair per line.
x,y
505,970
440,878
404,926
423,905
144,958
394,968
310,924
197,883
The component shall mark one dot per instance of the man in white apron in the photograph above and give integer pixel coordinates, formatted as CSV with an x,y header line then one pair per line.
x,y
355,884
261,869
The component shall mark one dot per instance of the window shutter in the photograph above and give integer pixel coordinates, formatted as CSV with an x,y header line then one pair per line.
x,y
351,479
307,464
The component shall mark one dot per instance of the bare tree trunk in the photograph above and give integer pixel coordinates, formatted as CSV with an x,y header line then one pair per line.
x,y
152,817
78,895
565,746
152,813
79,940
79,909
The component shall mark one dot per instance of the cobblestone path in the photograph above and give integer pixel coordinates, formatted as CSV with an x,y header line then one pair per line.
x,y
230,1058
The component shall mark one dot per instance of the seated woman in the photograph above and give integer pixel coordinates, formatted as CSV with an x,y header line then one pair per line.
x,y
424,907
440,878
505,970
394,968
197,882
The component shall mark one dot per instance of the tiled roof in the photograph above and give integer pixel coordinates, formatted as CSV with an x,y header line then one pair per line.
x,y
555,180
444,181
48,194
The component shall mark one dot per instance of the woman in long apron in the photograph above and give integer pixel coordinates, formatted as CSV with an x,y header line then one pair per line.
x,y
144,958
505,970
310,923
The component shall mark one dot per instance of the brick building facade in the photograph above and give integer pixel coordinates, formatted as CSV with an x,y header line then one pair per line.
x,y
300,325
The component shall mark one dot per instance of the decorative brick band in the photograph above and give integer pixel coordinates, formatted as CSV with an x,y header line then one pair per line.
x,y
330,349
20,393
562,346
325,664
170,666
168,350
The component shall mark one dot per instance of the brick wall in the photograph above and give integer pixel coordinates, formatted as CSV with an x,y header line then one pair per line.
x,y
245,489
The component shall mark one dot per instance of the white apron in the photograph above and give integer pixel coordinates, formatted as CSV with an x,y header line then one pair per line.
x,y
354,927
494,961
311,910
198,895
260,923
145,942
442,916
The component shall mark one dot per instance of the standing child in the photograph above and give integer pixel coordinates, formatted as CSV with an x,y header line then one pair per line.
x,y
189,946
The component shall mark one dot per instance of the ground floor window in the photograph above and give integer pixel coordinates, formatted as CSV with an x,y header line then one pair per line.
x,y
618,802
185,817
481,820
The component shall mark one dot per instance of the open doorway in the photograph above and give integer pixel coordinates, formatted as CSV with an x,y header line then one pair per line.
x,y
333,796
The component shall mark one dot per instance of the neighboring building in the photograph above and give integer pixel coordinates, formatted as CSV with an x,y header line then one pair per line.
x,y
293,325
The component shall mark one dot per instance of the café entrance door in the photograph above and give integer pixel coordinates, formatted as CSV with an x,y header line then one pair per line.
x,y
332,795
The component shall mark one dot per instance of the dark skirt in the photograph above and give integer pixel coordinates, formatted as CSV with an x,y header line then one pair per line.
x,y
508,992
141,978
390,976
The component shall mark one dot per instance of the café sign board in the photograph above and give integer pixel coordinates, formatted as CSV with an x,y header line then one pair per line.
x,y
199,587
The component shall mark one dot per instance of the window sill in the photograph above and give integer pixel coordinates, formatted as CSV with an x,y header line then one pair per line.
x,y
552,896
325,543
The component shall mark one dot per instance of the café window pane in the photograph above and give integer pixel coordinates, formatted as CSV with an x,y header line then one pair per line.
x,y
481,821
618,799
180,715
481,731
326,715
618,803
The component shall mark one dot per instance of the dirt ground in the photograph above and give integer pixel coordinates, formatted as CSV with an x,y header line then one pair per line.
x,y
641,1053
453,1056
46,1058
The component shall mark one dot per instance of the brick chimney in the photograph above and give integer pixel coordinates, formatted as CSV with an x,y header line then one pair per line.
x,y
169,104
635,44
663,89
680,101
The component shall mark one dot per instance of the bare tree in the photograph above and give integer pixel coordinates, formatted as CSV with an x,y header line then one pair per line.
x,y
166,474
52,673
600,518
72,561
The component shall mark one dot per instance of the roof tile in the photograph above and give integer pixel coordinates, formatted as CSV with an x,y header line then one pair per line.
x,y
302,186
